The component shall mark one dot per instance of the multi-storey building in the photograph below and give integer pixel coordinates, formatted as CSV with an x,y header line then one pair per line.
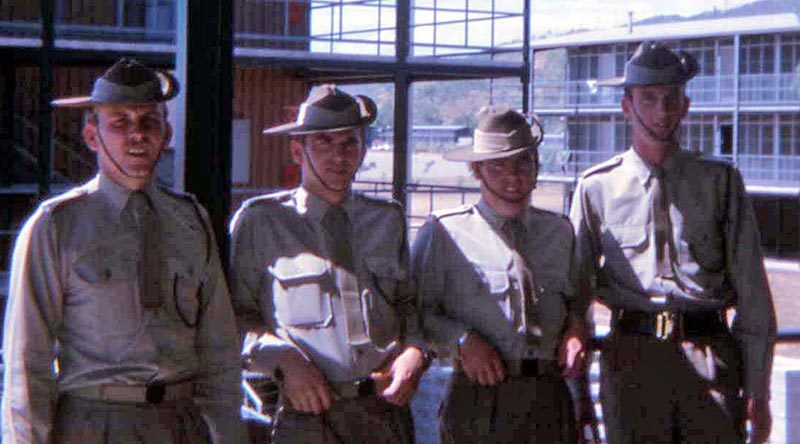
x,y
745,103
745,100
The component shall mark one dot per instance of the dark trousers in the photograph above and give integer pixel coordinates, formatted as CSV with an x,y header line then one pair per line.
x,y
531,410
81,421
348,421
671,392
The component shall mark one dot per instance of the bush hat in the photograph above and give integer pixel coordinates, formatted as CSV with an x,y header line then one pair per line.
x,y
329,109
127,82
500,132
654,63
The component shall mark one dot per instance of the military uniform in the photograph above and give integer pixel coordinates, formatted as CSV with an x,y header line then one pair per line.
x,y
466,278
671,369
125,373
348,322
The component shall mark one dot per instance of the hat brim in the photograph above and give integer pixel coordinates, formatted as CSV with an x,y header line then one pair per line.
x,y
616,81
466,153
74,102
297,129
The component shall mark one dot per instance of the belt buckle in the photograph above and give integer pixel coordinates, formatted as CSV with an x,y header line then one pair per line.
x,y
155,393
365,387
665,325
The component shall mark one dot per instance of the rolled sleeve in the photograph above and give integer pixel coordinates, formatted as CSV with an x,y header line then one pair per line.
x,y
220,395
429,273
33,316
754,326
264,342
584,257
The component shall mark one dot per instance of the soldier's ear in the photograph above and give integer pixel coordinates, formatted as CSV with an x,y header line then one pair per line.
x,y
89,134
296,149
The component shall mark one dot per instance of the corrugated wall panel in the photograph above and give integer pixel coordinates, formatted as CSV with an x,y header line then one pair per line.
x,y
266,97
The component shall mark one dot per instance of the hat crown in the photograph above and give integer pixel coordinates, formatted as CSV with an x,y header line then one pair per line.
x,y
500,132
327,108
127,82
129,72
500,119
653,63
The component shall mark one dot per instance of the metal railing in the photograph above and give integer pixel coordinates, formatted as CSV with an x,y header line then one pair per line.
x,y
754,88
365,27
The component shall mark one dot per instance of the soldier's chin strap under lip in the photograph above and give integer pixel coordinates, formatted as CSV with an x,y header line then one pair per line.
x,y
499,196
668,139
319,177
114,161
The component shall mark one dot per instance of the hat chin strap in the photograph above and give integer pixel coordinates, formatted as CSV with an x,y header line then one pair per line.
x,y
114,161
320,179
499,196
670,138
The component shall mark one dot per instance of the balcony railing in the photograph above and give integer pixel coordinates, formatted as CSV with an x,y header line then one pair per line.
x,y
320,26
753,88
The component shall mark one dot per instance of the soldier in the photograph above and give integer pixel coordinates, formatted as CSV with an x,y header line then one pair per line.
x,y
319,276
119,282
668,240
495,287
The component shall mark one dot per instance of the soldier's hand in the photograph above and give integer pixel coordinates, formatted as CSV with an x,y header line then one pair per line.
x,y
304,384
760,418
572,351
480,361
403,376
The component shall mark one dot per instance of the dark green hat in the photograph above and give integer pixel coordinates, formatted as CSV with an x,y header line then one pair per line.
x,y
127,82
654,63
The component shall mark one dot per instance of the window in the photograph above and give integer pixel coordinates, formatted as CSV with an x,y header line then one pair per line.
x,y
758,54
698,133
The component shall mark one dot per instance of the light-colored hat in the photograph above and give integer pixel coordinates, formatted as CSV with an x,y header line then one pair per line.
x,y
127,82
328,109
655,64
500,132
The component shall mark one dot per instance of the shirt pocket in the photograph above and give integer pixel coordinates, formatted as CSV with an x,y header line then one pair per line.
x,y
628,241
187,297
302,287
102,300
382,299
498,284
705,244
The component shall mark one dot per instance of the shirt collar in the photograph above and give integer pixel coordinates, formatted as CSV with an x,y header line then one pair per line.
x,y
316,207
642,169
117,195
495,220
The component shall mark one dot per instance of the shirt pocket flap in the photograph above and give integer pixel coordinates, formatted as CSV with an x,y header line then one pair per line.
x,y
498,281
298,270
629,237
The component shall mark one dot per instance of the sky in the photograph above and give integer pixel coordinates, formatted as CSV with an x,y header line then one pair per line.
x,y
549,15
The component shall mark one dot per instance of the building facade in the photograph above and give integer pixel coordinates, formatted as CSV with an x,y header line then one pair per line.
x,y
745,100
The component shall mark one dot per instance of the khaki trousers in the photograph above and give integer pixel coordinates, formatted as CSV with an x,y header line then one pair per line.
x,y
530,410
81,421
671,392
348,421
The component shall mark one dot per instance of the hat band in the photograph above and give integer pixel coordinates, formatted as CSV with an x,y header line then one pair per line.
x,y
641,75
315,117
486,143
109,92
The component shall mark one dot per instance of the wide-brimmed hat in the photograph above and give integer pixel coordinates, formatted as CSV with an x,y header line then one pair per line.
x,y
127,82
654,63
500,132
328,109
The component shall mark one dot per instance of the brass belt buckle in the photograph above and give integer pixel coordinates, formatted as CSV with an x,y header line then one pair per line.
x,y
665,325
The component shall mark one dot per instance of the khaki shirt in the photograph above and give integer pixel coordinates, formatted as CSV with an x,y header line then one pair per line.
x,y
465,279
74,298
714,230
283,282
